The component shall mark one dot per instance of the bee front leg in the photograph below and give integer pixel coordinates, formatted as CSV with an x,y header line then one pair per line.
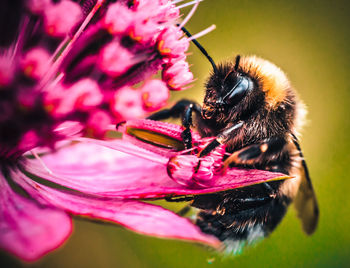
x,y
184,109
266,154
222,138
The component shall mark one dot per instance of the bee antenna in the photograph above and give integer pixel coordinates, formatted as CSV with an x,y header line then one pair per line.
x,y
238,58
205,53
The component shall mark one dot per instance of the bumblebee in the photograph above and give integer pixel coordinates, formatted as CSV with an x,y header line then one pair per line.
x,y
249,106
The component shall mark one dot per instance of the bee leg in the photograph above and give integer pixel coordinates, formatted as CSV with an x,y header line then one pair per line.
x,y
183,198
264,154
222,138
241,204
184,210
176,111
187,123
184,109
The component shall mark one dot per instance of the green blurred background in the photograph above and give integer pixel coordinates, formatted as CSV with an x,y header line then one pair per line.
x,y
309,40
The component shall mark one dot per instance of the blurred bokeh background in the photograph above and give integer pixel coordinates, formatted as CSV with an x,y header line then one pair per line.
x,y
309,40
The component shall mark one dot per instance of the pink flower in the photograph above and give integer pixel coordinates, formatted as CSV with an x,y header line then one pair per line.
x,y
56,55
62,66
68,75
107,184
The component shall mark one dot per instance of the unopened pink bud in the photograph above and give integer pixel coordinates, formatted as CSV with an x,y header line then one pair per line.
x,y
189,170
86,94
118,18
97,124
115,60
127,104
170,42
82,96
181,169
155,94
178,75
143,31
59,19
35,63
205,171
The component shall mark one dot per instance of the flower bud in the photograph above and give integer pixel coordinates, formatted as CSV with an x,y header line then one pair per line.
x,y
59,19
191,171
154,94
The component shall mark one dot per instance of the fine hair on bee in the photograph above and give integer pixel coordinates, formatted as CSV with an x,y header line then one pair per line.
x,y
251,107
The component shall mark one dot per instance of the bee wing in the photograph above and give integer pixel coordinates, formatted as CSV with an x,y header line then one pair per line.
x,y
306,205
305,201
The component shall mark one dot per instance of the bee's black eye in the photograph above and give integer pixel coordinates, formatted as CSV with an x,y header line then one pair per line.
x,y
243,85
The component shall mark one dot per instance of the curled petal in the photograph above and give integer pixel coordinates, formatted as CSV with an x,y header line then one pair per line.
x,y
29,141
159,137
68,129
27,229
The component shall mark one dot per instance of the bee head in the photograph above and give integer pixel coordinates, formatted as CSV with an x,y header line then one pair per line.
x,y
228,92
249,87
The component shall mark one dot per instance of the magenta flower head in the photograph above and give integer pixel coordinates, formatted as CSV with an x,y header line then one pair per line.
x,y
68,69
68,72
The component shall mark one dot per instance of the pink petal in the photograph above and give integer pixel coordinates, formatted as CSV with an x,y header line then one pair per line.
x,y
93,169
138,216
28,230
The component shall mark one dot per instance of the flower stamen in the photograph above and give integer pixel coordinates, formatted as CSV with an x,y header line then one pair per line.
x,y
70,44
176,1
189,4
37,157
202,33
189,15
